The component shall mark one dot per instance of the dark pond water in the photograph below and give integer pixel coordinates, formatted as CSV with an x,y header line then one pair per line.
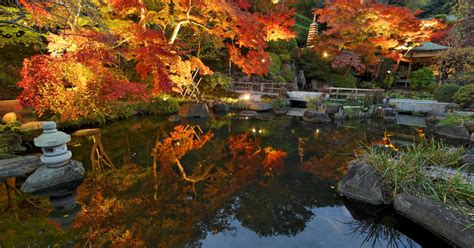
x,y
246,199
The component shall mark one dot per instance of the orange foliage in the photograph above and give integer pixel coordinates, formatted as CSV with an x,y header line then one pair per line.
x,y
181,141
370,28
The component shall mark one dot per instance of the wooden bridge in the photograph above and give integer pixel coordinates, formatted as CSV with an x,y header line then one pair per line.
x,y
335,92
276,88
261,88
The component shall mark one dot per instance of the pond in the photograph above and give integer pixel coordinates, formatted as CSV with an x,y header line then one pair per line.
x,y
265,183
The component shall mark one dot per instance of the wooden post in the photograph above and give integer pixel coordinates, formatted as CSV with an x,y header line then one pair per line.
x,y
408,74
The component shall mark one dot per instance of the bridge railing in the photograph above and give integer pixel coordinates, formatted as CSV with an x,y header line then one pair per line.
x,y
336,92
262,88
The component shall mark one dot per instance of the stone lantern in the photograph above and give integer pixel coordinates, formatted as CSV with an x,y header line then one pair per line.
x,y
53,144
58,177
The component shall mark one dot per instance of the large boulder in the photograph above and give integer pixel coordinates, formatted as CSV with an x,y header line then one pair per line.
x,y
194,110
258,106
248,114
451,107
434,117
313,116
458,133
280,111
361,182
57,181
221,108
469,125
436,217
333,108
387,113
174,119
9,118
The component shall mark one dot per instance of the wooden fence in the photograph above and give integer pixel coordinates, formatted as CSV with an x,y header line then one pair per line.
x,y
335,92
261,88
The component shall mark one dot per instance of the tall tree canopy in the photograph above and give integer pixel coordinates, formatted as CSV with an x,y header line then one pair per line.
x,y
371,30
115,49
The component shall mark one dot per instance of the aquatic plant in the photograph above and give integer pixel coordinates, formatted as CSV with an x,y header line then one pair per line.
x,y
406,171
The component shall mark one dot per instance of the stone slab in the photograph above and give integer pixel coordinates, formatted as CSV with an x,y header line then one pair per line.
x,y
410,120
298,112
420,106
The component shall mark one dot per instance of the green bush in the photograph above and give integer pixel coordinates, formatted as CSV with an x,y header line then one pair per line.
x,y
288,74
278,79
313,64
432,87
465,96
456,119
216,81
421,78
366,85
162,105
275,65
280,104
313,103
342,81
445,92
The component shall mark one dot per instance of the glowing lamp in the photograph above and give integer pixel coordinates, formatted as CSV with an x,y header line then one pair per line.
x,y
325,54
245,97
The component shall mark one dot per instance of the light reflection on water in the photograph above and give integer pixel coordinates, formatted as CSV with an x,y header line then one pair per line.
x,y
238,205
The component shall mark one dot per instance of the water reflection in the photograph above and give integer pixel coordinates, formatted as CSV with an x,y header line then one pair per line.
x,y
276,188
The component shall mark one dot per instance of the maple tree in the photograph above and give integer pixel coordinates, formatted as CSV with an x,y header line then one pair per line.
x,y
106,39
371,30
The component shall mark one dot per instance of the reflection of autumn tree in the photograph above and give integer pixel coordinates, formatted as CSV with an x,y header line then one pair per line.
x,y
170,213
273,210
330,153
181,141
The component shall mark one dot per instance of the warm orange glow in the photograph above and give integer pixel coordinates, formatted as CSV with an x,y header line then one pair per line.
x,y
245,97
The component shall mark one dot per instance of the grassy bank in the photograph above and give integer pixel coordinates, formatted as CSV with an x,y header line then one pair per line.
x,y
405,171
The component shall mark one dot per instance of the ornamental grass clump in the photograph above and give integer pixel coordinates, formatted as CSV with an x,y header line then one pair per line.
x,y
406,171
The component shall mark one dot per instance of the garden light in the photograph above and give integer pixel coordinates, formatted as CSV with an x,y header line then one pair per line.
x,y
245,97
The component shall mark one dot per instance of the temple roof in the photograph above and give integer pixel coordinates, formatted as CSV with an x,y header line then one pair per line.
x,y
429,46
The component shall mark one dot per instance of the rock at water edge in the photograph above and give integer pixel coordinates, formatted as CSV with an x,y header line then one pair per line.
x,y
436,217
362,183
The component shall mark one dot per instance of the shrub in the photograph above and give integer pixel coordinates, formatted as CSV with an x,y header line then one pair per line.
x,y
278,79
456,119
280,104
465,96
161,105
421,78
313,103
275,65
343,81
288,74
432,87
216,81
445,92
366,85
313,64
